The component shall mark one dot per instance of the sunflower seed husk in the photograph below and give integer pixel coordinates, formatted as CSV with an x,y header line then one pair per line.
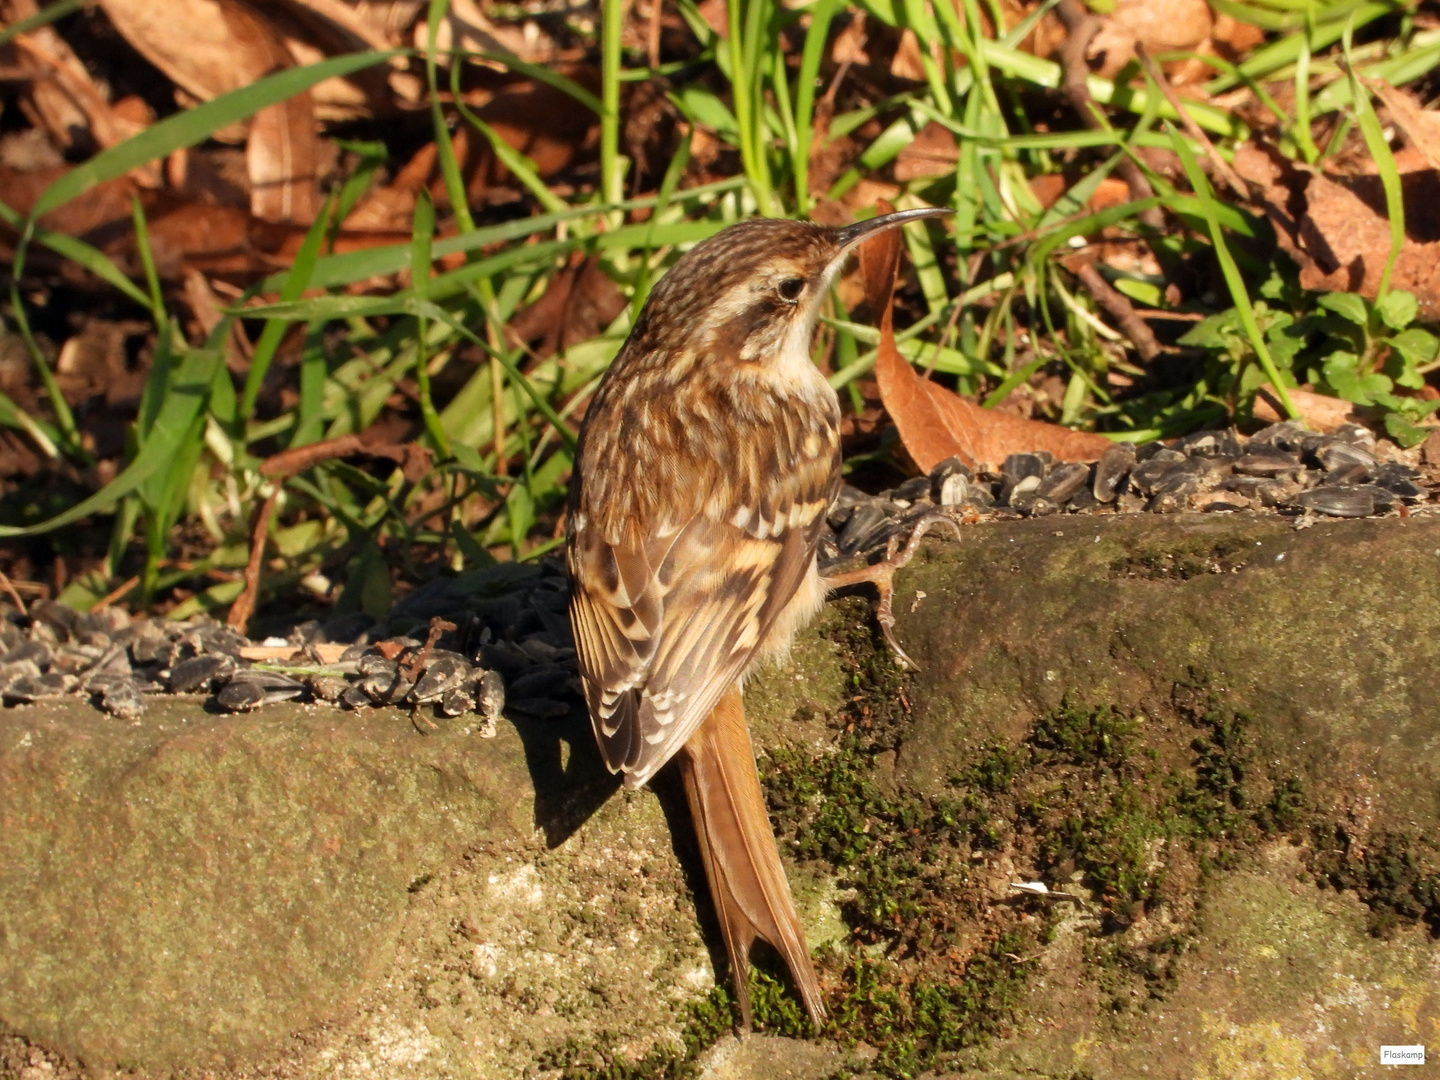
x,y
1111,470
1338,500
122,699
198,672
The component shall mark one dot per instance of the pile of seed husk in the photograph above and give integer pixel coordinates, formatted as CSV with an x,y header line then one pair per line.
x,y
460,650
457,650
1284,469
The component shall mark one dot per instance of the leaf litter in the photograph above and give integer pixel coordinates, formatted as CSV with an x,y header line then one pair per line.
x,y
226,213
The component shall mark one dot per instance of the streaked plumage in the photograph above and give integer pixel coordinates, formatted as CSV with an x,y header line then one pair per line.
x,y
706,463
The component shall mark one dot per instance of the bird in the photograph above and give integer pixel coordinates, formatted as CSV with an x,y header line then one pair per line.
x,y
706,461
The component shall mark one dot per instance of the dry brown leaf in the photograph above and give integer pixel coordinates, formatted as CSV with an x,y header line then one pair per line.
x,y
1421,126
934,423
211,47
933,152
393,206
1048,187
1161,26
1318,411
907,61
280,156
1335,226
541,122
579,302
467,27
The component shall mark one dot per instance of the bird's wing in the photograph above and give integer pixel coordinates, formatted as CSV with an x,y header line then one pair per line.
x,y
665,625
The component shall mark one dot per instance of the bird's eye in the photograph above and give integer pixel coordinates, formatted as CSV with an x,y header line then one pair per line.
x,y
791,288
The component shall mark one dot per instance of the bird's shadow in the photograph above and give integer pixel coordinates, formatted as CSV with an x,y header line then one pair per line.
x,y
571,783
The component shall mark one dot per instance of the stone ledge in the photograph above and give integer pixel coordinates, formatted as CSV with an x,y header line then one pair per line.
x,y
311,893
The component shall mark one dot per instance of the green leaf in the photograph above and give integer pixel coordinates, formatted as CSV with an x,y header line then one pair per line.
x,y
1404,432
1417,346
1347,305
1214,332
78,251
702,107
1397,308
44,436
1341,373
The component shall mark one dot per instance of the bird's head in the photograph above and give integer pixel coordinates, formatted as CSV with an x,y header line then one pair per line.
x,y
751,293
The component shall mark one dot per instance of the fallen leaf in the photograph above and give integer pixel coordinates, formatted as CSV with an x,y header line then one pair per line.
x,y
315,29
933,152
545,124
1048,187
211,47
281,155
392,206
579,302
1162,26
1421,126
1336,229
934,423
1430,450
66,101
467,27
907,61
1317,411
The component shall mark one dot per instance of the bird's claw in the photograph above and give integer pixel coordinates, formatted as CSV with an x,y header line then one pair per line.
x,y
882,575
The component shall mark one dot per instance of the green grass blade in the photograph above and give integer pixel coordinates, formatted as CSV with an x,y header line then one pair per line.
x,y
196,125
79,252
147,260
439,314
44,17
521,166
313,373
1233,280
333,271
542,74
42,434
187,396
612,21
1379,148
444,147
424,232
1397,71
296,282
821,14
1259,64
64,418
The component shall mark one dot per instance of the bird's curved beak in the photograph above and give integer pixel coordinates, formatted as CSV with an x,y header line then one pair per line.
x,y
851,235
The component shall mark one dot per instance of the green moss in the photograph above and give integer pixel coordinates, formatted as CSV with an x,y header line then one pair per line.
x,y
1183,561
1078,736
917,1021
707,1020
1397,875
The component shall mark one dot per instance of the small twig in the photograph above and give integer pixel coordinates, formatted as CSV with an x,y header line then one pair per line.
x,y
652,36
115,594
10,590
244,605
1120,309
1222,167
438,626
1082,26
414,461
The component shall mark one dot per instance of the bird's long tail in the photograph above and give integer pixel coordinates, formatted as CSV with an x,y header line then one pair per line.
x,y
748,884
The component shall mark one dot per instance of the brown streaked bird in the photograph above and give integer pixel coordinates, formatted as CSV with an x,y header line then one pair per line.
x,y
707,460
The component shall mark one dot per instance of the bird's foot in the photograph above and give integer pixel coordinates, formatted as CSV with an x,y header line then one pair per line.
x,y
882,575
